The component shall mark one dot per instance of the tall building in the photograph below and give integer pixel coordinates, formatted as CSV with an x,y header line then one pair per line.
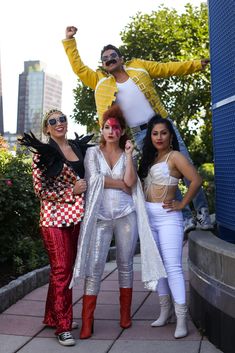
x,y
38,92
1,105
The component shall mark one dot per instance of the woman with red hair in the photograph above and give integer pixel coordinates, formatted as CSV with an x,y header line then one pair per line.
x,y
110,210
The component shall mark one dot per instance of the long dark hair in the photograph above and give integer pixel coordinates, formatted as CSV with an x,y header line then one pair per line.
x,y
149,151
115,112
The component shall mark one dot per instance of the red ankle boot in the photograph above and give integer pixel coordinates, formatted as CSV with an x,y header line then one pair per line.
x,y
88,308
125,307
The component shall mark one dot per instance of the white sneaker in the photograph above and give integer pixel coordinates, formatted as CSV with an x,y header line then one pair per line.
x,y
66,339
189,224
204,220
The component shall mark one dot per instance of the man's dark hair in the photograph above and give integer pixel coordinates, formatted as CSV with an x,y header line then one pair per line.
x,y
110,46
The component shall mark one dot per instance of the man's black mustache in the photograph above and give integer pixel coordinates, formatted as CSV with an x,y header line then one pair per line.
x,y
113,61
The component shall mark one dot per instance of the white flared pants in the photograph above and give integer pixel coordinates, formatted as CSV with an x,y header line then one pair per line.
x,y
167,228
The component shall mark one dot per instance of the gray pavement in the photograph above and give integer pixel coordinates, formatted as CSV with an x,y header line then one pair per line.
x,y
21,328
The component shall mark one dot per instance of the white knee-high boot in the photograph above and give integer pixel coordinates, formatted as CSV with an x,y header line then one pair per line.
x,y
181,320
166,311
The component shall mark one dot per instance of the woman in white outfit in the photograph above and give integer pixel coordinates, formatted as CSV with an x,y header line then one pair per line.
x,y
161,168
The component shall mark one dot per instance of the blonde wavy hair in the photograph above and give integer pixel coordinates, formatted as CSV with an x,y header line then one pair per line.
x,y
46,117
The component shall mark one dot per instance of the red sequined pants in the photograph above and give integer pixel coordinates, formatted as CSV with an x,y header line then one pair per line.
x,y
61,245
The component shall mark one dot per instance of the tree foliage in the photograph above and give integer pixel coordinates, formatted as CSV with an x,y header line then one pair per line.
x,y
85,110
165,35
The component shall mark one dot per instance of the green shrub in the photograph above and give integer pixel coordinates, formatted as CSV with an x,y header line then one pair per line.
x,y
29,255
21,244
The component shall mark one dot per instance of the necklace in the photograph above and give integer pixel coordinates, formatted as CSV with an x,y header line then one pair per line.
x,y
158,187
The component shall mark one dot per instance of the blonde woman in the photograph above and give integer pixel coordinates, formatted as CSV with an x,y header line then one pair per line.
x,y
58,177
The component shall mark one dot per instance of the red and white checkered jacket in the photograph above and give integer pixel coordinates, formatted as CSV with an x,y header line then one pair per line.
x,y
59,206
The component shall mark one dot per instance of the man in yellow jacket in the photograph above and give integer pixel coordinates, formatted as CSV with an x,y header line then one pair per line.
x,y
130,86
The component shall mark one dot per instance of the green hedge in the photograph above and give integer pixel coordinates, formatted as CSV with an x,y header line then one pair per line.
x,y
21,244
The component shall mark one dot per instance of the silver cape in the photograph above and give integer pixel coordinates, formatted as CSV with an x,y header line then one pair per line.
x,y
151,263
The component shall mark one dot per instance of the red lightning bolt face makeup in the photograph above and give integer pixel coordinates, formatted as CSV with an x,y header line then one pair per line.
x,y
115,126
112,130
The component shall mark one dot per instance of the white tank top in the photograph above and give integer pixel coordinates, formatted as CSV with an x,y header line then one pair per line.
x,y
134,105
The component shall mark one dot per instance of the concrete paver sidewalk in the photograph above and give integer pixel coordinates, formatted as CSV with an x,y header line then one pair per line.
x,y
21,328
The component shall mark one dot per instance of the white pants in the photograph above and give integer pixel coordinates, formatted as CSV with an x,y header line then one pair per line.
x,y
167,228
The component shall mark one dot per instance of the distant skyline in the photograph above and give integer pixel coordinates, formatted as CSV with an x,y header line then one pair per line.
x,y
33,30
